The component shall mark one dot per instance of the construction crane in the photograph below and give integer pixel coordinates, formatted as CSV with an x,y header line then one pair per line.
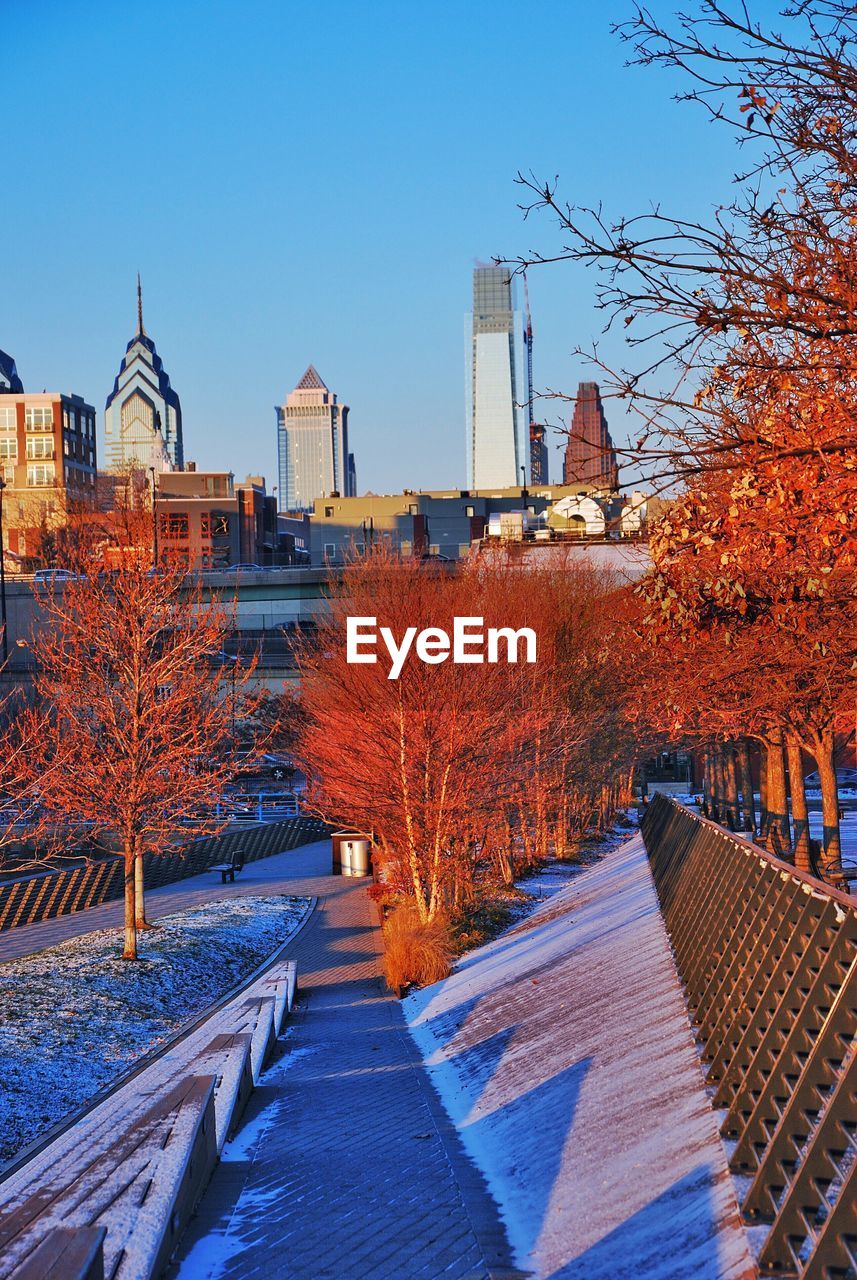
x,y
538,449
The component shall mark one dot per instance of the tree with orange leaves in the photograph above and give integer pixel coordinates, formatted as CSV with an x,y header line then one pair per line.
x,y
452,765
137,702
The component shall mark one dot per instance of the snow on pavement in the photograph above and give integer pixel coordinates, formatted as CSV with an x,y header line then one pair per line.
x,y
564,1057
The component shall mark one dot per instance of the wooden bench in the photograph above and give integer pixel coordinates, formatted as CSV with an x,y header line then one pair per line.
x,y
229,869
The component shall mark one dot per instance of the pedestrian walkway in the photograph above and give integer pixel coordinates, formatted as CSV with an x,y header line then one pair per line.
x,y
346,1166
288,872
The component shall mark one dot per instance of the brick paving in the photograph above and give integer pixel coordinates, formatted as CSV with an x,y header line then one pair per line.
x,y
346,1165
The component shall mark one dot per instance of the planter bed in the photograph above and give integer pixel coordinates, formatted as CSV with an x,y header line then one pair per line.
x,y
75,1017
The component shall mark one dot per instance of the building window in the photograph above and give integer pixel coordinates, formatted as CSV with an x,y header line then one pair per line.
x,y
330,551
39,417
214,524
8,473
470,511
434,549
413,508
174,525
328,511
41,474
8,418
9,449
40,447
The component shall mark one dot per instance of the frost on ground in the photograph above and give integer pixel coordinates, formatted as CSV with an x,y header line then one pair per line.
x,y
558,873
563,1056
76,1016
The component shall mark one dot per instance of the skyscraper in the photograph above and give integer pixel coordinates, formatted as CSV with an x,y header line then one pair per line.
x,y
9,380
495,383
312,446
590,458
143,415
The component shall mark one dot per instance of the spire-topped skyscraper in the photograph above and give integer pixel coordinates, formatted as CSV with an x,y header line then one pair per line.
x,y
143,415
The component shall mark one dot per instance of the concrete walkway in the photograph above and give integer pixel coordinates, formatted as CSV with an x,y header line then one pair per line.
x,y
346,1166
289,872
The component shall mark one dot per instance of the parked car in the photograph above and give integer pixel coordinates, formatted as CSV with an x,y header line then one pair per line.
x,y
245,568
253,764
846,778
50,576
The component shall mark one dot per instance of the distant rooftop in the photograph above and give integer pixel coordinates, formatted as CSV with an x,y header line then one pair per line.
x,y
311,381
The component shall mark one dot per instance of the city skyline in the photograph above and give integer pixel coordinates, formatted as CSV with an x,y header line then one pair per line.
x,y
251,279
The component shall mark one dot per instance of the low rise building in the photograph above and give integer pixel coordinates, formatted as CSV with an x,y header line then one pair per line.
x,y
48,465
204,519
448,522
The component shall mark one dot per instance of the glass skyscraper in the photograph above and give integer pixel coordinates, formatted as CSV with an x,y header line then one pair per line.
x,y
312,446
495,455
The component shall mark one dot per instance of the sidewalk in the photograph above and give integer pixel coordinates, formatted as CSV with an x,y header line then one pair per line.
x,y
346,1166
287,872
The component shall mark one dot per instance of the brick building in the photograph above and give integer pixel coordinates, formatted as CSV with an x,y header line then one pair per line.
x,y
48,464
590,458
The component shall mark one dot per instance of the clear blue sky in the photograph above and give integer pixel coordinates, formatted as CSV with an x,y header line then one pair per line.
x,y
313,182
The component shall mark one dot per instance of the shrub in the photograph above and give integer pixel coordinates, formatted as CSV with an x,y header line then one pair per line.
x,y
415,952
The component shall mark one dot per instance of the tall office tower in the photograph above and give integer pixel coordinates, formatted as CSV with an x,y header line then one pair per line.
x,y
9,380
495,382
538,454
590,458
312,446
143,415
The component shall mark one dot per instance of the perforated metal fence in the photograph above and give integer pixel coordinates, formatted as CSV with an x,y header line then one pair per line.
x,y
768,958
59,893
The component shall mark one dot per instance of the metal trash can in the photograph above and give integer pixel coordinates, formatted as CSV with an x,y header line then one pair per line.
x,y
357,853
351,853
336,849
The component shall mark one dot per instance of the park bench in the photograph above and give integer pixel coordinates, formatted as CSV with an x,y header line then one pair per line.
x,y
228,869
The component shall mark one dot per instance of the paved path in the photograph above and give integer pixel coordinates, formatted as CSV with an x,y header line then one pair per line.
x,y
346,1166
289,872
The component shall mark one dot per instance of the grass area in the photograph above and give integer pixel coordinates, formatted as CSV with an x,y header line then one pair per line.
x,y
74,1017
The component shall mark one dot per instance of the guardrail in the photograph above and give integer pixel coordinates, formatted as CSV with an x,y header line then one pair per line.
x,y
60,893
768,958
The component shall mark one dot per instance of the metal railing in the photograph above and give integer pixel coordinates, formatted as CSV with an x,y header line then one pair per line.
x,y
768,958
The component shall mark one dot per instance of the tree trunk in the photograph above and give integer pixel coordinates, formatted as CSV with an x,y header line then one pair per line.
x,y
130,952
779,836
140,895
719,784
732,816
764,817
708,784
800,818
831,856
748,803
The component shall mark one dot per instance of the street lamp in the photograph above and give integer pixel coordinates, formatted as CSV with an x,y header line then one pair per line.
x,y
228,657
3,623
